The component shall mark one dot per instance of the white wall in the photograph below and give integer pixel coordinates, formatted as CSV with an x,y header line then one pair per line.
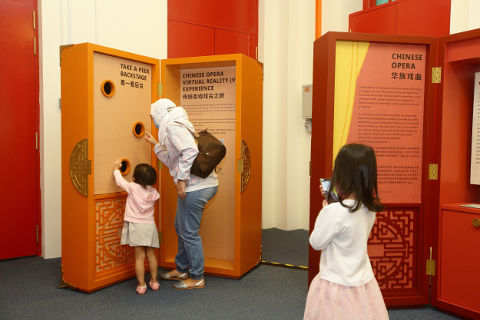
x,y
286,35
464,15
335,14
135,26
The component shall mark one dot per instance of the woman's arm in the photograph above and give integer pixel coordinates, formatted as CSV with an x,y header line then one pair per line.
x,y
160,150
186,147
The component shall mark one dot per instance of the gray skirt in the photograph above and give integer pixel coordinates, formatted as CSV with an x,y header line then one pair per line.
x,y
140,234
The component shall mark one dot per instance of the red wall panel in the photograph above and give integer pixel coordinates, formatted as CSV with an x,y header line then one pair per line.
x,y
240,15
192,25
424,18
189,40
228,42
193,11
408,17
379,20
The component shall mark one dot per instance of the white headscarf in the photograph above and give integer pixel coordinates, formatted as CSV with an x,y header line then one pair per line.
x,y
164,112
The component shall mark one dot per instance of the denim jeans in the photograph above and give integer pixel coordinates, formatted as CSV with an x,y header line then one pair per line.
x,y
187,225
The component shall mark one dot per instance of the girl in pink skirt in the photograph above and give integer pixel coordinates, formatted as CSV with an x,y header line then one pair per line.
x,y
345,287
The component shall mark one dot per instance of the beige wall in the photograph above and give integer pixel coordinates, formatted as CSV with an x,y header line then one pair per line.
x,y
287,32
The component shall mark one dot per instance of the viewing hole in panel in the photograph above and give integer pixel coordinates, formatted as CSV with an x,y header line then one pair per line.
x,y
108,88
138,129
125,168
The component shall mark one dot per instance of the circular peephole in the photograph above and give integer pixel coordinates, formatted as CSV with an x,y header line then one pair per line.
x,y
108,88
138,129
125,168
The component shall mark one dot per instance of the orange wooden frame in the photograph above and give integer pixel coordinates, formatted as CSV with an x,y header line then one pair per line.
x,y
78,211
248,127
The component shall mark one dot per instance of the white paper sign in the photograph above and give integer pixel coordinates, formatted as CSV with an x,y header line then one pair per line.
x,y
475,161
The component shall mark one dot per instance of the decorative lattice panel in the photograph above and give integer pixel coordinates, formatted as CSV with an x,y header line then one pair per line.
x,y
246,166
391,248
109,223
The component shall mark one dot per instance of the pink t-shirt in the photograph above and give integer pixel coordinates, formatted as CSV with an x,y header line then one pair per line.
x,y
140,201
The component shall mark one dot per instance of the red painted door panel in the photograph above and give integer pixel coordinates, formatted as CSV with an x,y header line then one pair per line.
x,y
189,40
227,42
459,261
18,160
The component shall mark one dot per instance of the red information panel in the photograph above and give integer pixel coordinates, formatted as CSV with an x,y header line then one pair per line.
x,y
379,101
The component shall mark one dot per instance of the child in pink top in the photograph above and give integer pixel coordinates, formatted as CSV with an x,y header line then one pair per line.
x,y
139,229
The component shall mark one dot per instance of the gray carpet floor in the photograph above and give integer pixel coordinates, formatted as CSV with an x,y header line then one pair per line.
x,y
28,290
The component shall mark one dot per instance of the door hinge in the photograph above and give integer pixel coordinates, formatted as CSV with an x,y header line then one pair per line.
x,y
34,21
34,45
160,90
432,171
36,233
240,165
36,140
437,75
430,265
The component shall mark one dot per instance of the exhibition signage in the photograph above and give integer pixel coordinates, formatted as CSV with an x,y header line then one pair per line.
x,y
379,101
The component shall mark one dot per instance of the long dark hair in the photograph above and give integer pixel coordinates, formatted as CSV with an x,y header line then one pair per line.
x,y
145,175
355,171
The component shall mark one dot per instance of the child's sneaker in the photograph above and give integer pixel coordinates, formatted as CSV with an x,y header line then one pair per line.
x,y
154,285
142,290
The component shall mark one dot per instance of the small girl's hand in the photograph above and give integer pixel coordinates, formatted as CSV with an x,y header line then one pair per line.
x,y
150,138
117,165
321,189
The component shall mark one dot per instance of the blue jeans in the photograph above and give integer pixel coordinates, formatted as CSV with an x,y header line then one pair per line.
x,y
187,225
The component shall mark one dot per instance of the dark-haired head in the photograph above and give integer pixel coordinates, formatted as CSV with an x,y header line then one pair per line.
x,y
145,175
355,172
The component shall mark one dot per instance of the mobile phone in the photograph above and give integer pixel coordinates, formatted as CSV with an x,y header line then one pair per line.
x,y
326,186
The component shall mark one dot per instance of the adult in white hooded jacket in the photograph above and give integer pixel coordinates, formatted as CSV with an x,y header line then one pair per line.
x,y
177,149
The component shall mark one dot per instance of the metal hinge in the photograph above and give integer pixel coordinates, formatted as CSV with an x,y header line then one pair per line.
x,y
240,165
432,171
36,140
88,166
36,232
160,90
34,45
34,21
430,265
437,75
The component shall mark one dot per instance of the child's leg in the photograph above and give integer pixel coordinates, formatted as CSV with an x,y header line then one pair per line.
x,y
140,265
152,263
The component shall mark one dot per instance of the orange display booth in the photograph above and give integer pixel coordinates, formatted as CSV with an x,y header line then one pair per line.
x,y
223,94
105,104
411,99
